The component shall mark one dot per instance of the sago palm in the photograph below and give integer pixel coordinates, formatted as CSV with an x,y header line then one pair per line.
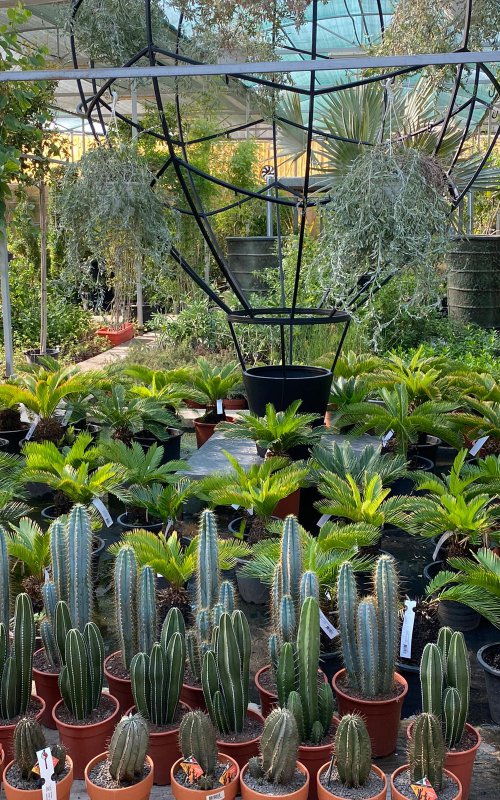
x,y
122,415
170,387
463,479
367,502
160,501
481,418
12,492
29,548
343,459
213,383
141,466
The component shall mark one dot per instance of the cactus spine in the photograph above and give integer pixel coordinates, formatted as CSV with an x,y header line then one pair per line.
x,y
28,739
352,752
426,750
197,738
279,745
157,678
369,629
225,673
81,677
128,748
445,681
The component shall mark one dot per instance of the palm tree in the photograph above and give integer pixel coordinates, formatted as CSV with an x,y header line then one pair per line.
x,y
213,383
29,548
122,415
142,467
160,502
365,502
343,460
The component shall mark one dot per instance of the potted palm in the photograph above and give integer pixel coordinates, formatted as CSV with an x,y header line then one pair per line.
x,y
350,769
20,776
124,770
28,547
202,770
276,772
125,417
157,506
481,418
213,385
135,622
369,684
367,502
426,753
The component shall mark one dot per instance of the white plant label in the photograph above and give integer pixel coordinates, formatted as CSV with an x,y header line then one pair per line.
x,y
67,415
386,438
235,506
220,407
170,522
217,796
326,626
442,539
103,511
31,429
476,446
323,519
407,629
46,767
46,576
250,511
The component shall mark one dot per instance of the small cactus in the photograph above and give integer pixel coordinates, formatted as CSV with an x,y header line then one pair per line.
x,y
197,738
279,745
128,748
352,752
28,739
426,752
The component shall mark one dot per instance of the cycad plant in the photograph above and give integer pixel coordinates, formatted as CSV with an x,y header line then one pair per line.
x,y
423,376
42,393
343,459
29,549
160,502
142,467
12,493
481,418
278,432
367,502
122,415
213,383
170,387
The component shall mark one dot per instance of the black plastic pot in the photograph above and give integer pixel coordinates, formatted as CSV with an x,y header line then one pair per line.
x,y
412,703
455,615
330,663
252,590
14,439
4,443
94,430
123,521
34,356
171,446
429,448
273,384
492,677
405,485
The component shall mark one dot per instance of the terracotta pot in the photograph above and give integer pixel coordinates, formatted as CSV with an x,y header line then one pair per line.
x,y
382,717
313,759
203,431
460,762
250,794
325,794
234,404
63,787
124,333
47,687
163,749
289,505
242,752
181,792
268,699
193,697
83,742
194,404
7,731
139,791
121,688
395,795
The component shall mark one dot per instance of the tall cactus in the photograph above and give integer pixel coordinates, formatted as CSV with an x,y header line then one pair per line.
x,y
125,591
279,745
81,677
146,610
128,748
4,582
445,681
197,738
16,664
80,548
157,678
309,586
426,750
291,558
59,557
226,672
352,754
208,559
369,629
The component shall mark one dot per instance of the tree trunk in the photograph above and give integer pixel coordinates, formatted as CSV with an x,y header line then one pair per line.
x,y
43,267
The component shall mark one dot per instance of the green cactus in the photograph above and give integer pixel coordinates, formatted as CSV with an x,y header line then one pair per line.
x,y
59,557
279,745
309,586
62,624
157,678
426,751
291,558
369,629
445,681
352,752
71,551
197,738
81,677
4,582
225,674
146,610
28,739
15,681
128,748
125,590
208,559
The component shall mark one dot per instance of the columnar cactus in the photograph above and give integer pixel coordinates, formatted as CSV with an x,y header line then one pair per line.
x,y
225,674
445,681
4,582
128,748
208,559
81,677
157,678
59,557
125,589
352,752
28,739
291,558
426,750
369,629
71,552
197,738
279,745
146,610
15,667
309,586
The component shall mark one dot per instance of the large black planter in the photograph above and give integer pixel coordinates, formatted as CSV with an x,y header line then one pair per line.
x,y
474,280
14,439
281,386
35,357
451,613
171,446
492,677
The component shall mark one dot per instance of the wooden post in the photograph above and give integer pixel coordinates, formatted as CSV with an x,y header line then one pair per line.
x,y
42,189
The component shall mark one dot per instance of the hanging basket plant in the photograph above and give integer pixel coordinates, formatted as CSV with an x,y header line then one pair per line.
x,y
110,215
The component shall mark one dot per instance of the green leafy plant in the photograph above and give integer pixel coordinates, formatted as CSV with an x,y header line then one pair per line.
x,y
161,502
213,383
29,547
142,467
169,387
362,465
11,489
366,502
122,415
483,419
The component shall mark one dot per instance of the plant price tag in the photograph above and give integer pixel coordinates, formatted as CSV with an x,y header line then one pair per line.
x,y
407,629
476,446
46,769
386,438
326,626
217,796
31,429
250,511
170,522
103,511
322,520
220,407
442,539
235,506
423,790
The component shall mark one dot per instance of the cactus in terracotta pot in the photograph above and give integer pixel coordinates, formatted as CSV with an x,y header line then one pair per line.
x,y
426,750
279,745
352,753
29,738
197,738
81,677
128,748
16,663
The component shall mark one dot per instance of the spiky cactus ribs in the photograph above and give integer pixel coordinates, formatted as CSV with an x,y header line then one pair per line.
x,y
28,739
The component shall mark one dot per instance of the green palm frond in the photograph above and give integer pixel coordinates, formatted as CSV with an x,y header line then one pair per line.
x,y
141,466
343,460
214,383
476,584
164,502
43,391
30,546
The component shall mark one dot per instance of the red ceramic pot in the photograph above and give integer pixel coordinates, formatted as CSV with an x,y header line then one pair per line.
x,y
289,505
193,697
242,752
84,742
234,404
382,717
203,431
269,699
47,687
313,759
7,731
63,787
164,750
460,762
124,333
121,688
396,795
